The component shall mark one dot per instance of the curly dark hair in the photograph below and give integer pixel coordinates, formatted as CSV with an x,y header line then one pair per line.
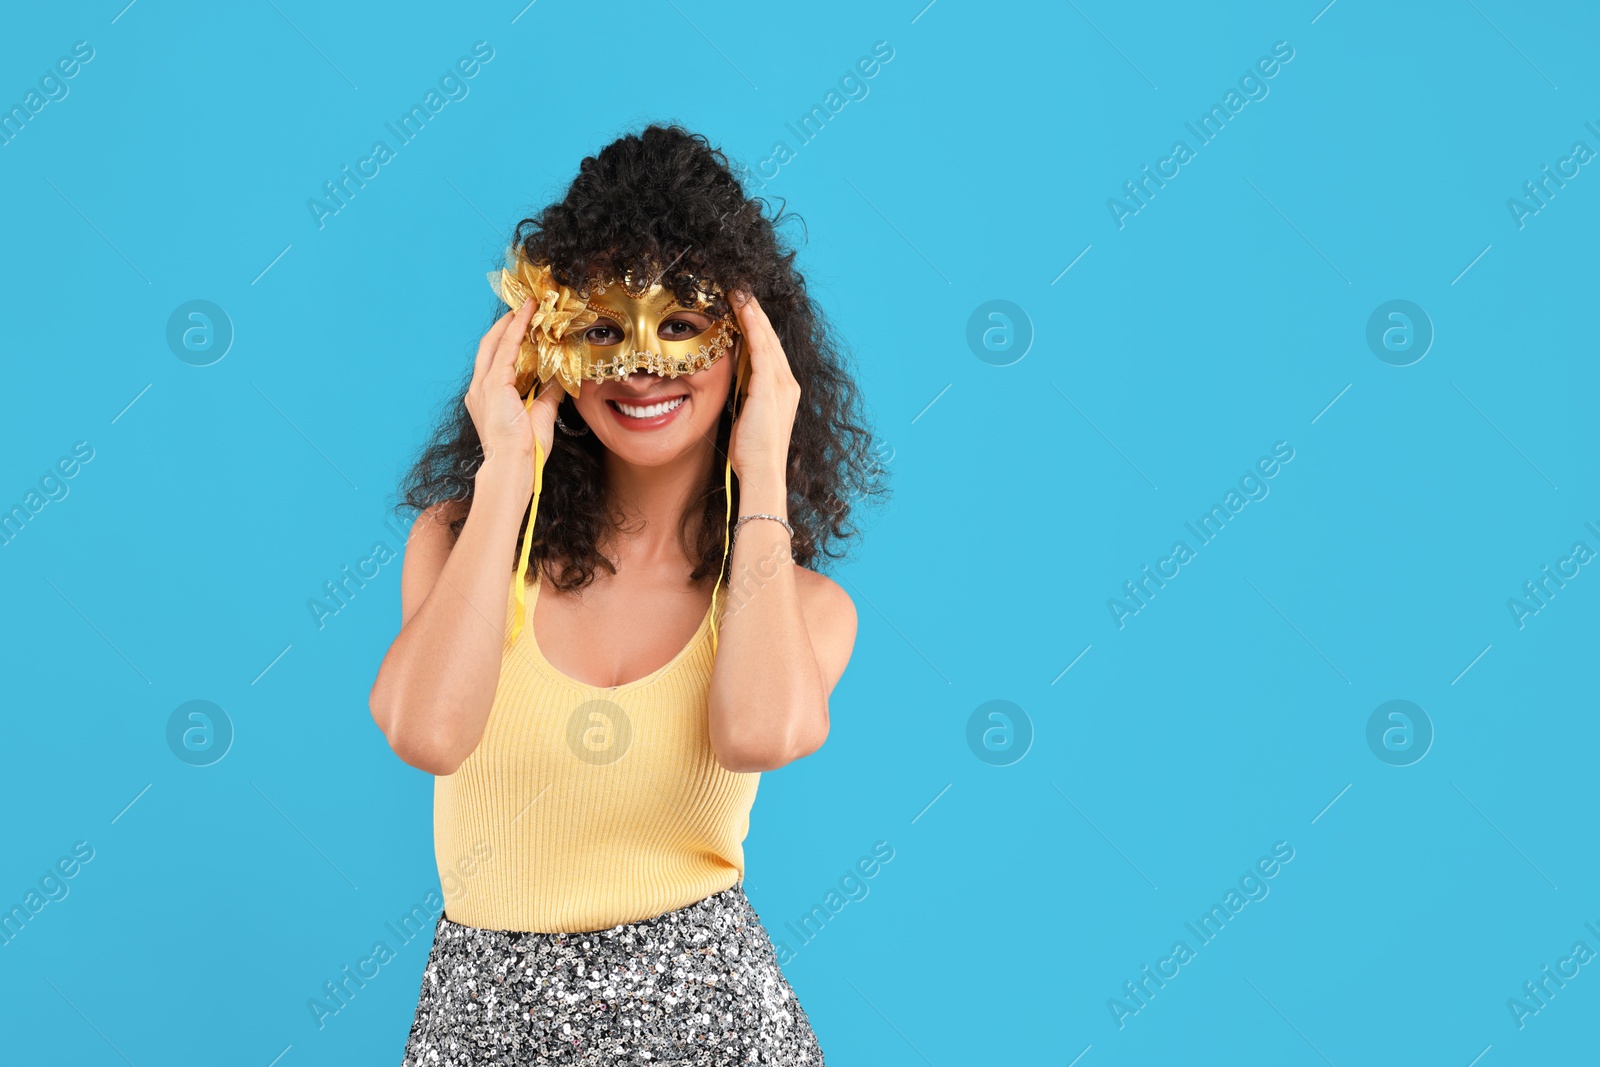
x,y
665,195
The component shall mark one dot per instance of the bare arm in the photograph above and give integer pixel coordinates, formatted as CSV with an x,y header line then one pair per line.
x,y
787,633
437,682
785,641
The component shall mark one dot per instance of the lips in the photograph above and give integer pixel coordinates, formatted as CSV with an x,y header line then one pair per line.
x,y
648,410
646,415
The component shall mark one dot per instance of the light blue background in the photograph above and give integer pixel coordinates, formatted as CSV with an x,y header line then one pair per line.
x,y
1227,315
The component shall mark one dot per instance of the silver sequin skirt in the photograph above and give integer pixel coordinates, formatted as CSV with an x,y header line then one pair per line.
x,y
700,985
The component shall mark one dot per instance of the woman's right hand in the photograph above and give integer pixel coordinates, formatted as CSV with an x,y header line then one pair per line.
x,y
506,427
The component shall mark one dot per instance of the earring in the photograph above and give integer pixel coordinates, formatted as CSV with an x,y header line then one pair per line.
x,y
567,429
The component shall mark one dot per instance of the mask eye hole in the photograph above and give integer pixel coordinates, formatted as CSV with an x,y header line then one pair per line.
x,y
604,332
683,325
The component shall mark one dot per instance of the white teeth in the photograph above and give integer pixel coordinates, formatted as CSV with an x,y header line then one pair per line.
x,y
650,412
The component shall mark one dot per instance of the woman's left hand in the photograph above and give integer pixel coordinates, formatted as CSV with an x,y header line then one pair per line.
x,y
759,447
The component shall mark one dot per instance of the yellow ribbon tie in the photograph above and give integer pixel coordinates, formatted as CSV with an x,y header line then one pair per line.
x,y
727,495
727,492
521,591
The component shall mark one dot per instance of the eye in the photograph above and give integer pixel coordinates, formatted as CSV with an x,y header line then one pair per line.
x,y
682,326
602,333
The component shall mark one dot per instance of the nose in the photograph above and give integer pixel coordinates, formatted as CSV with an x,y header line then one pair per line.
x,y
641,381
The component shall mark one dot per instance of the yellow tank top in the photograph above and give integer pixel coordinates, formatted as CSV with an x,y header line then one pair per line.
x,y
585,806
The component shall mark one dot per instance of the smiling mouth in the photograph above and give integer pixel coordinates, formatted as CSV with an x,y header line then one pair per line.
x,y
647,411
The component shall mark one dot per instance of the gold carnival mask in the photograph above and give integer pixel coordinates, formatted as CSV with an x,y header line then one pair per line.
x,y
614,328
617,327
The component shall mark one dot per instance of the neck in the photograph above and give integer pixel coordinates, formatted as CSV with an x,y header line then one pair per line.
x,y
652,501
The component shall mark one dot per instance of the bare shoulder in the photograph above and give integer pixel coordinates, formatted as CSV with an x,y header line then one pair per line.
x,y
830,617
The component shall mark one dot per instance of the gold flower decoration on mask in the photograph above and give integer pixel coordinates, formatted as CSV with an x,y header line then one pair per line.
x,y
554,346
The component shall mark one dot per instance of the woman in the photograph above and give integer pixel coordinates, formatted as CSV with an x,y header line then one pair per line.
x,y
598,738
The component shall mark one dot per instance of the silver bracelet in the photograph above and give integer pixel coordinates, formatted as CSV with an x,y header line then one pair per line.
x,y
746,518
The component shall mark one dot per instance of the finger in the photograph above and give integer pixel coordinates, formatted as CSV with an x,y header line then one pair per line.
x,y
503,364
766,350
751,324
489,342
752,344
758,322
542,409
491,338
550,395
772,338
